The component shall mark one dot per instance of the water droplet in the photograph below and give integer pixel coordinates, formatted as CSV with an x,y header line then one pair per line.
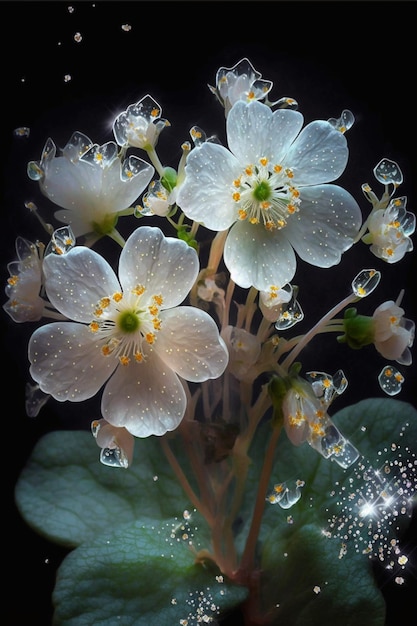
x,y
390,380
114,457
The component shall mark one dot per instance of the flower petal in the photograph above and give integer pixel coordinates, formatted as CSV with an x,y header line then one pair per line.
x,y
190,344
77,280
255,256
253,131
66,361
206,194
325,226
164,265
318,155
146,398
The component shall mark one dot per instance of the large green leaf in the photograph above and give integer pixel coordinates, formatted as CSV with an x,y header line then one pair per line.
x,y
140,575
300,549
68,496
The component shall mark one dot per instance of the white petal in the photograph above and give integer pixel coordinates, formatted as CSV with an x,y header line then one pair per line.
x,y
318,155
253,131
255,256
77,280
190,344
328,220
164,265
206,194
146,398
92,190
66,361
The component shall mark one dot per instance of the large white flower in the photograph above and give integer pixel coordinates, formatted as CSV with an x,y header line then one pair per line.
x,y
131,333
92,183
272,189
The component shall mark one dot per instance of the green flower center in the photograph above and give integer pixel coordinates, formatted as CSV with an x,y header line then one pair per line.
x,y
128,322
262,191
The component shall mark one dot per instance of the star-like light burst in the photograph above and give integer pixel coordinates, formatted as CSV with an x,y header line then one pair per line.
x,y
376,504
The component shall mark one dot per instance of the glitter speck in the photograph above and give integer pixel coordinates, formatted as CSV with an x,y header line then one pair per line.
x,y
78,37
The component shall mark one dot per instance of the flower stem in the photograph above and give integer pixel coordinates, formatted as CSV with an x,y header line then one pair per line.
x,y
247,562
316,329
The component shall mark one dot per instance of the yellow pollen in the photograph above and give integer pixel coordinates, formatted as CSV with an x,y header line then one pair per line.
x,y
236,183
94,326
399,378
251,95
196,133
156,323
138,290
277,169
129,174
320,413
289,173
397,202
361,291
155,112
291,209
254,220
393,319
242,214
395,224
13,280
104,303
98,312
153,310
263,161
158,299
294,192
269,225
326,383
124,360
249,170
265,204
117,296
150,338
236,196
388,372
138,357
99,157
278,488
106,350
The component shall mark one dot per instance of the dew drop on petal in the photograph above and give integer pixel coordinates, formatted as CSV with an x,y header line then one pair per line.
x,y
365,282
390,380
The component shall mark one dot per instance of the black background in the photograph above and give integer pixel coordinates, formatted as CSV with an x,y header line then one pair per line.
x,y
329,56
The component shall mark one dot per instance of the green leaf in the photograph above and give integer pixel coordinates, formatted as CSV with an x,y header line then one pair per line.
x,y
140,575
68,496
294,552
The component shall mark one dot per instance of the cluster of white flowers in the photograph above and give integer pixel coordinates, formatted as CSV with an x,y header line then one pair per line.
x,y
268,197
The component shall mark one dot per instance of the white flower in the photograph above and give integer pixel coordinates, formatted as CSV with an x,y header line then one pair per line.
x,y
90,182
131,333
24,284
140,125
390,230
306,419
270,302
244,350
240,82
393,333
271,190
157,200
